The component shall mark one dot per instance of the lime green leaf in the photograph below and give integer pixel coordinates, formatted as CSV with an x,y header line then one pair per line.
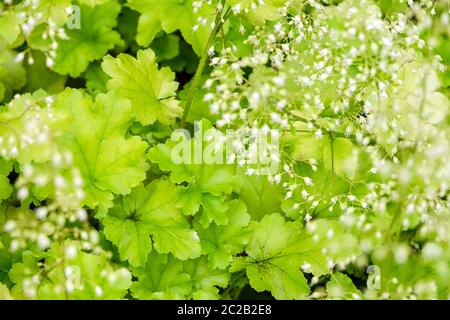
x,y
165,277
39,76
9,27
342,156
308,147
278,249
151,91
260,196
12,74
205,280
5,188
341,286
207,183
5,167
258,14
214,207
96,79
149,23
185,158
173,15
325,183
222,242
95,132
91,42
162,278
4,292
56,9
269,265
326,240
150,211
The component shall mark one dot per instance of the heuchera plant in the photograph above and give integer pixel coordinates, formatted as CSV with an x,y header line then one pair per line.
x,y
96,96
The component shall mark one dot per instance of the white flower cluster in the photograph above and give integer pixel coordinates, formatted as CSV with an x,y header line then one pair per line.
x,y
26,140
50,18
306,66
347,72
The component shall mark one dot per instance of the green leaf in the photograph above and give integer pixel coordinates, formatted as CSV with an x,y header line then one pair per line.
x,y
270,264
96,79
307,147
12,74
9,28
91,42
326,243
205,280
150,212
325,184
4,292
341,155
173,15
5,167
162,278
166,47
5,188
214,207
96,134
39,76
151,91
258,14
127,26
341,286
165,277
260,196
222,242
278,249
207,183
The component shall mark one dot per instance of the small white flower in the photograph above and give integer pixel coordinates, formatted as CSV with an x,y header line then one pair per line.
x,y
318,133
43,242
9,226
22,193
98,291
237,8
81,215
19,57
71,252
277,178
308,181
41,212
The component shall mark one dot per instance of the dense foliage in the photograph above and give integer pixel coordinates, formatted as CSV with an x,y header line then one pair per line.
x,y
93,205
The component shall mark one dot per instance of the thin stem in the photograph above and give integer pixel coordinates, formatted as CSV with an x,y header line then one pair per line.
x,y
220,20
332,151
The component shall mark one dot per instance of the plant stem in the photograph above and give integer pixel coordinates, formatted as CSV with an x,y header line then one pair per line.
x,y
332,151
220,20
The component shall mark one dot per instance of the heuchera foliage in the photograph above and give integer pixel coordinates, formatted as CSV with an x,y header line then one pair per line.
x,y
93,205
